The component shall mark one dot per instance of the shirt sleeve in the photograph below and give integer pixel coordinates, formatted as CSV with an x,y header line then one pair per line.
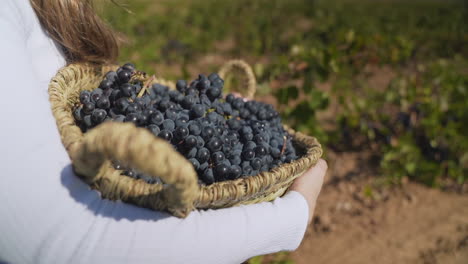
x,y
48,215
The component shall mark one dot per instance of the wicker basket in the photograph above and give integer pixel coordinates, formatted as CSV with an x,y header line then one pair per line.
x,y
91,154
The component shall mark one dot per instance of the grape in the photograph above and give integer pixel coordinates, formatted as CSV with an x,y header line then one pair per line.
x,y
154,129
127,89
88,108
223,139
190,142
230,98
260,151
222,171
132,117
248,154
208,132
214,93
103,103
194,128
234,172
208,176
181,132
129,66
124,76
165,134
181,85
119,118
217,157
197,110
105,84
168,125
250,145
157,118
192,153
78,114
195,163
171,114
85,96
214,144
142,119
203,155
256,163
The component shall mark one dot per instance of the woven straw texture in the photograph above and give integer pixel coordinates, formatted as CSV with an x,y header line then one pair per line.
x,y
91,153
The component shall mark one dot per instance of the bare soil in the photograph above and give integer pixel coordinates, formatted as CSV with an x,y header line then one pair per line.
x,y
361,220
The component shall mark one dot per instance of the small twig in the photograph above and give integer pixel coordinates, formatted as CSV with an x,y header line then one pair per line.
x,y
146,85
283,149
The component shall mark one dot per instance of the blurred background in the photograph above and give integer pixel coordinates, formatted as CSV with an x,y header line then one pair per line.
x,y
382,84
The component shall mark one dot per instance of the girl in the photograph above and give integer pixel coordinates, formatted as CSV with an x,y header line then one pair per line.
x,y
48,215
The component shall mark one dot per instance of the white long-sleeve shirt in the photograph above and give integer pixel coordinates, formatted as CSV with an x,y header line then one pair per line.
x,y
48,215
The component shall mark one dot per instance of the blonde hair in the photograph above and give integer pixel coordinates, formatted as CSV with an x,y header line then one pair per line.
x,y
78,29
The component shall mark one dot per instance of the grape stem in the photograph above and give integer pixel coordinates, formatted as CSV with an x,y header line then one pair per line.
x,y
284,145
146,85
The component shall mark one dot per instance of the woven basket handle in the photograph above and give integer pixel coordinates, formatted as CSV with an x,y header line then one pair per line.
x,y
244,69
140,150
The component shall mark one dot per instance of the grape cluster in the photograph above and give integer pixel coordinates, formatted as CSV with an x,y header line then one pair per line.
x,y
223,138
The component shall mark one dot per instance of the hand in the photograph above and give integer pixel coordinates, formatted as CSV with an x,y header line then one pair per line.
x,y
310,183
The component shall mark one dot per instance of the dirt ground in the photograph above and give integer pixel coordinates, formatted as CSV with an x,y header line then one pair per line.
x,y
359,220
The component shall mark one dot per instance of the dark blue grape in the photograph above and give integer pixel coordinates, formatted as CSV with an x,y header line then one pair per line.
x,y
165,134
248,154
103,103
124,76
85,96
119,118
192,153
168,125
217,157
190,142
188,102
256,163
78,114
203,155
132,108
236,160
208,176
105,84
132,117
214,144
129,66
227,108
213,93
142,119
250,145
88,108
154,129
230,98
234,124
111,76
234,172
208,132
221,171
195,163
194,128
197,110
181,85
157,118
181,132
213,76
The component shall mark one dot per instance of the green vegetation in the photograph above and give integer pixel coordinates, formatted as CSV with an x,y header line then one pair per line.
x,y
324,56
